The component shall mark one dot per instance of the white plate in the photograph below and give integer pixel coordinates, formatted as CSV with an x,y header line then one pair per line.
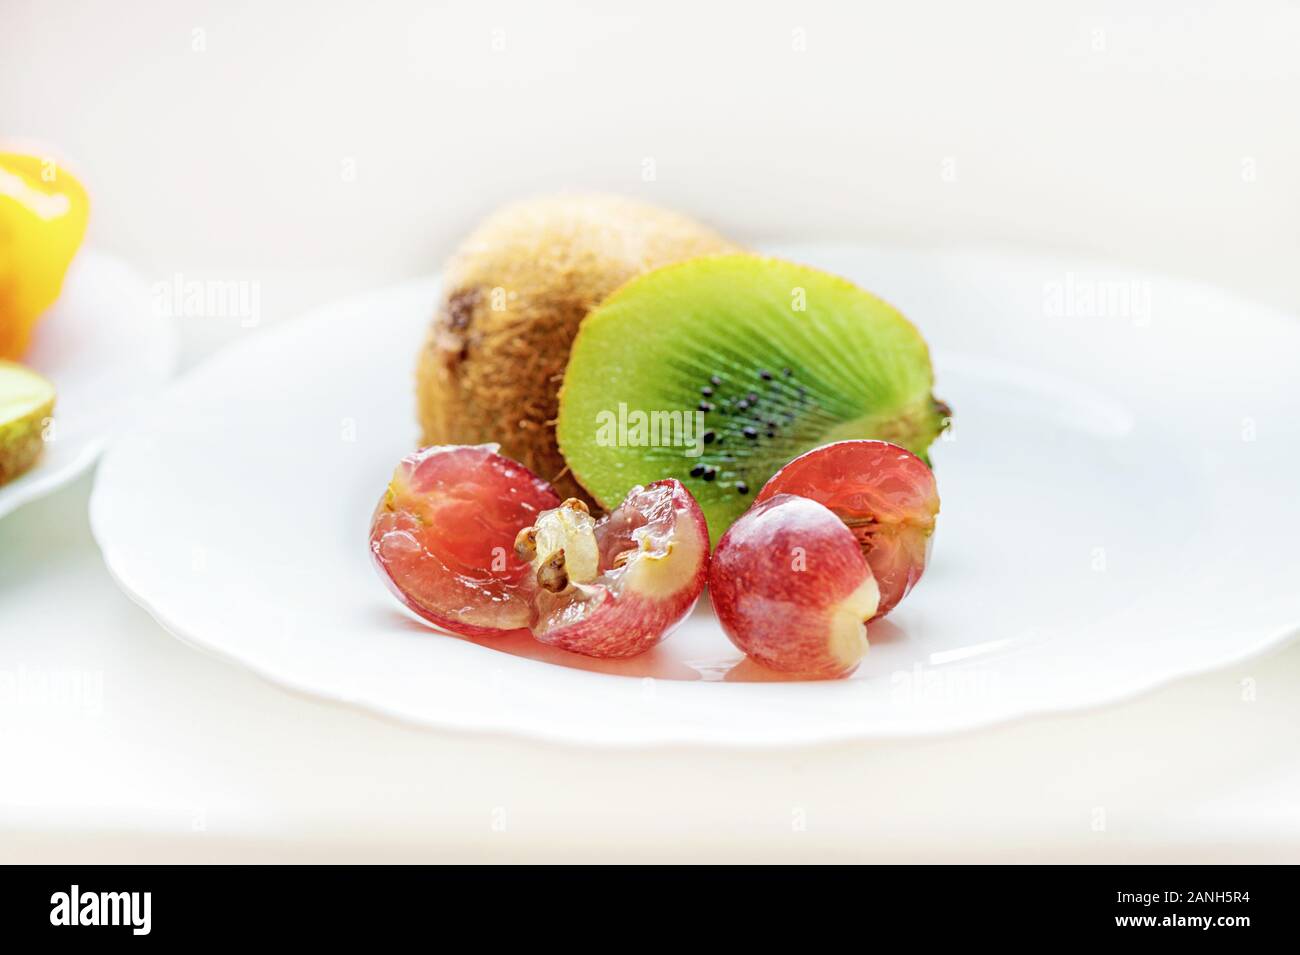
x,y
1118,511
106,352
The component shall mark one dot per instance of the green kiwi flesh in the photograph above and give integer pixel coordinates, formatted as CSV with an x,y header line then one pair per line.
x,y
776,358
26,403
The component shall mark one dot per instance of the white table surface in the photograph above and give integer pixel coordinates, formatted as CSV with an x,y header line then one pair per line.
x,y
315,151
164,754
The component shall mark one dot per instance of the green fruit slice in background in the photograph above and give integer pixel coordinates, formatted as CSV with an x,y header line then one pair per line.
x,y
778,358
26,402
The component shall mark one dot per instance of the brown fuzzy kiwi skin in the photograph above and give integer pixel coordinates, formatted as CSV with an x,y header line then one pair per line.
x,y
22,441
513,296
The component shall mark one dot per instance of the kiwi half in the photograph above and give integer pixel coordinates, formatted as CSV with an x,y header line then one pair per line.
x,y
26,401
776,358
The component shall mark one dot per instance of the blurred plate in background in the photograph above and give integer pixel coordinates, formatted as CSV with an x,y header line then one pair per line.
x,y
107,351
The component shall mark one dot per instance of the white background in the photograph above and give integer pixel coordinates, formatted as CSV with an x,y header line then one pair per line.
x,y
1162,134
316,149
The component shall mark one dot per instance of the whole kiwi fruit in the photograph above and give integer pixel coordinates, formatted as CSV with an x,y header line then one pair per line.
x,y
513,296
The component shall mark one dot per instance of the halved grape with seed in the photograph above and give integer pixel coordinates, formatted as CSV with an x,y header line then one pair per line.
x,y
477,544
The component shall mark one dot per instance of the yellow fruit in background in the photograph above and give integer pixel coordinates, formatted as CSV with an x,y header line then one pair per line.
x,y
43,213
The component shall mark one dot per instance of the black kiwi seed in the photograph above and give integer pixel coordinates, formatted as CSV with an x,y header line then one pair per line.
x,y
750,433
742,487
765,374
742,405
706,406
706,391
752,397
697,470
787,372
715,380
710,473
771,433
709,436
